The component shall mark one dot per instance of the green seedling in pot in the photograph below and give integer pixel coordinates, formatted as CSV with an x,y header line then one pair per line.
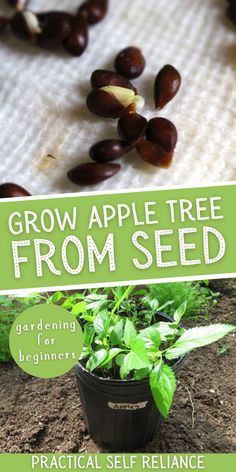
x,y
127,346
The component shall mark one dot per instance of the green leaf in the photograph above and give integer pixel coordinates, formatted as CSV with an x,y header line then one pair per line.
x,y
120,359
77,296
95,301
179,313
56,297
162,307
154,304
130,333
85,353
67,304
151,337
136,359
141,374
198,337
163,385
126,294
98,341
101,323
88,334
117,333
124,372
118,292
88,318
79,308
142,291
165,330
111,355
96,359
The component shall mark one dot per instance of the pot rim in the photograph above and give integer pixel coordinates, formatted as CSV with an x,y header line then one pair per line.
x,y
85,371
80,367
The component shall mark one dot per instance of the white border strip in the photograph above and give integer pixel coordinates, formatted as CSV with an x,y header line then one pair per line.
x,y
119,284
118,192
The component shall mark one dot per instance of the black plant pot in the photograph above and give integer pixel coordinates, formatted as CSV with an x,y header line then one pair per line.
x,y
120,415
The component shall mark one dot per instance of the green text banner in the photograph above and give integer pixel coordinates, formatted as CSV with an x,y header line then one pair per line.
x,y
122,462
85,240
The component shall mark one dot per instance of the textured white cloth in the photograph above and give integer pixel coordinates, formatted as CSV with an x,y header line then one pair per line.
x,y
42,96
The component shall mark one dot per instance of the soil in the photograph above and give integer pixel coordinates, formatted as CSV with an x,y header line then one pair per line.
x,y
39,415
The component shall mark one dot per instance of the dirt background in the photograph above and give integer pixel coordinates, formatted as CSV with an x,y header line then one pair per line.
x,y
45,415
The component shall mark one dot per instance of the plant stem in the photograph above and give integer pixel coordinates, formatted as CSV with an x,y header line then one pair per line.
x,y
124,296
193,408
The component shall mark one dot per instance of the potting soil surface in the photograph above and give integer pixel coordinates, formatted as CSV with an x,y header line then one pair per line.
x,y
39,415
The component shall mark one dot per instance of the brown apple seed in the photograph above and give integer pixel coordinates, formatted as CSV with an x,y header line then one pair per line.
x,y
109,150
162,132
92,173
131,127
154,154
167,84
130,62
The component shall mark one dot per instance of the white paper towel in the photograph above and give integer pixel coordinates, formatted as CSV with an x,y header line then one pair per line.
x,y
42,96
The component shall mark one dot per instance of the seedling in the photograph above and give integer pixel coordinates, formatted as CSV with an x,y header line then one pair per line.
x,y
126,341
223,351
